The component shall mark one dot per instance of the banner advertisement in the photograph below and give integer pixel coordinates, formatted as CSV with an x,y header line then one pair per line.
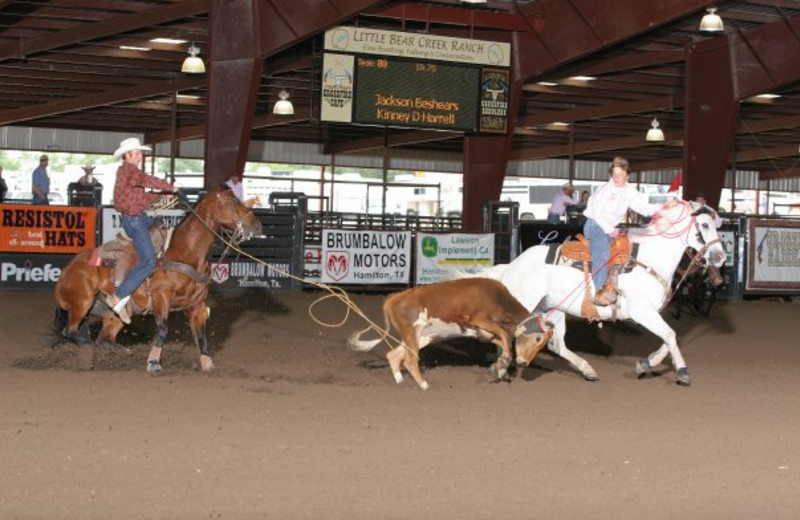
x,y
23,271
312,263
366,257
773,255
365,40
47,229
441,257
542,233
241,274
112,223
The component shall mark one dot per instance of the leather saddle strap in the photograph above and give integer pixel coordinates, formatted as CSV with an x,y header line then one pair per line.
x,y
186,269
588,309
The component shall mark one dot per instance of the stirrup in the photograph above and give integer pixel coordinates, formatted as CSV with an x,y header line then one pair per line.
x,y
605,297
113,301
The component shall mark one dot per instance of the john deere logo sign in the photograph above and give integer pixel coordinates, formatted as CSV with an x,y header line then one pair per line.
x,y
430,246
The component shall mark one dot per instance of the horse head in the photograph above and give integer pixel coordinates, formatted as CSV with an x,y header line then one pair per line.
x,y
223,210
704,236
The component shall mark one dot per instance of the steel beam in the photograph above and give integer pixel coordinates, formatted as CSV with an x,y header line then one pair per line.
x,y
152,88
400,139
711,116
111,27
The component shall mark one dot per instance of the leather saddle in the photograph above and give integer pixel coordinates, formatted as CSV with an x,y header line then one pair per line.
x,y
578,250
120,255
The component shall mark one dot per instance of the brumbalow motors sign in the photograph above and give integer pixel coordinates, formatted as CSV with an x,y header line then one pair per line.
x,y
366,257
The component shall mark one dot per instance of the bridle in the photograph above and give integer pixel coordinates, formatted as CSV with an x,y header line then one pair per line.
x,y
697,259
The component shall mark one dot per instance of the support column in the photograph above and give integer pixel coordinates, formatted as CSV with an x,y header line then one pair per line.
x,y
711,115
234,76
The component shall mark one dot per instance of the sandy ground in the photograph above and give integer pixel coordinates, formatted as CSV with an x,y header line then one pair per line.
x,y
293,425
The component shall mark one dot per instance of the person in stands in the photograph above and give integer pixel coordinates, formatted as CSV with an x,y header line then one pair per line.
x,y
40,184
88,175
562,199
131,199
234,182
3,186
605,209
701,199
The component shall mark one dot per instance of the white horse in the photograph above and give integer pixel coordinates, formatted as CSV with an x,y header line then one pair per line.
x,y
558,289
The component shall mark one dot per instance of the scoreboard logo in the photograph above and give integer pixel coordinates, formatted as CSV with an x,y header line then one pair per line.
x,y
337,88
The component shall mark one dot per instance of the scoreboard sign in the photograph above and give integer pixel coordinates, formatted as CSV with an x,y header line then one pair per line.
x,y
415,80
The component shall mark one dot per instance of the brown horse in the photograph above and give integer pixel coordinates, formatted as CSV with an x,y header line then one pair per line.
x,y
178,283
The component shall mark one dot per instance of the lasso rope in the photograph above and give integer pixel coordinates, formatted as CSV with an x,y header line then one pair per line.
x,y
334,292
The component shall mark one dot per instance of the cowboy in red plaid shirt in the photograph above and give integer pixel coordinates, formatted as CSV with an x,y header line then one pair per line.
x,y
131,200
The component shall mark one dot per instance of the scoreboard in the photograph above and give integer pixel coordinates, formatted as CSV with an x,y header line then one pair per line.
x,y
409,89
391,91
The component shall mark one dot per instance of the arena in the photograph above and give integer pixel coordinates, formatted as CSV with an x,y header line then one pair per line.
x,y
294,425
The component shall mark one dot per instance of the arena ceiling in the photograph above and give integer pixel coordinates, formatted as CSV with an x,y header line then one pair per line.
x,y
93,65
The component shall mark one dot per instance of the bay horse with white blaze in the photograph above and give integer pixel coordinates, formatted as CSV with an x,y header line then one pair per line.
x,y
179,282
557,290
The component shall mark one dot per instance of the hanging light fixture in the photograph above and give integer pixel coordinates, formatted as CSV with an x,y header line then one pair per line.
x,y
655,134
283,107
711,22
193,64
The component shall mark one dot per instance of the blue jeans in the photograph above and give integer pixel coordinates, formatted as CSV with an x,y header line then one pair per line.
x,y
39,201
553,218
138,228
600,248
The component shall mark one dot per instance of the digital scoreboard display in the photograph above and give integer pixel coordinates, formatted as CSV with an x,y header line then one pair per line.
x,y
414,80
413,93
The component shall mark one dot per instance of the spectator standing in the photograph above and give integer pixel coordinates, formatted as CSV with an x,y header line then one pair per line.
x,y
3,187
131,200
701,199
234,182
88,175
562,199
40,185
584,199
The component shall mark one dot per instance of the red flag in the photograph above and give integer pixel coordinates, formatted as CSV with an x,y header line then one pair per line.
x,y
676,183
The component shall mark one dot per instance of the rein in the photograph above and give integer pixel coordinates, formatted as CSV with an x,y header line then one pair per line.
x,y
233,240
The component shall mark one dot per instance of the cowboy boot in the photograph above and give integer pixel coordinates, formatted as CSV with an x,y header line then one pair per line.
x,y
608,292
606,295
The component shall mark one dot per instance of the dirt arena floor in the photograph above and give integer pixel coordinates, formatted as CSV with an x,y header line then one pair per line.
x,y
293,425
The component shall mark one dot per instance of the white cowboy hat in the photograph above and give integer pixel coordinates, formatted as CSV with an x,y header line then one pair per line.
x,y
89,166
129,144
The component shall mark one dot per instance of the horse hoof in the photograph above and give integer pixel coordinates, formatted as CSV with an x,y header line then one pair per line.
x,y
682,377
498,374
153,366
206,363
643,367
591,377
